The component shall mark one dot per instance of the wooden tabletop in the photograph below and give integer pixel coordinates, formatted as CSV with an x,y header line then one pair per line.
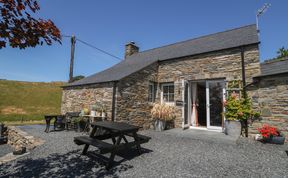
x,y
92,116
116,126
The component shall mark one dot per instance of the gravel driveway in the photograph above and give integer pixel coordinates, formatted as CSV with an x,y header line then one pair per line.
x,y
167,154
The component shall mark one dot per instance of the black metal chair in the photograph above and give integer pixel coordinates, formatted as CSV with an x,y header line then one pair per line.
x,y
3,138
69,124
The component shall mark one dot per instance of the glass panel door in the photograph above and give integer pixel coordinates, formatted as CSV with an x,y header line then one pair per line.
x,y
214,97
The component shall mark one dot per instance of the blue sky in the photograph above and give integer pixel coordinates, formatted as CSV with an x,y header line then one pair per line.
x,y
110,24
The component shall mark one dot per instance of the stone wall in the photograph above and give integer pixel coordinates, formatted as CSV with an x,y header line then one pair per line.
x,y
270,97
132,97
74,99
18,138
224,64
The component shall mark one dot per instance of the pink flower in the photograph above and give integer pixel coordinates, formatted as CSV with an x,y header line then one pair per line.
x,y
234,95
225,103
240,113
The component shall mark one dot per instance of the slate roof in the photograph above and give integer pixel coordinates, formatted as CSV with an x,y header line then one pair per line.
x,y
223,40
274,67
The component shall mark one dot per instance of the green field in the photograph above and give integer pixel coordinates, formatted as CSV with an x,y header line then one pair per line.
x,y
29,100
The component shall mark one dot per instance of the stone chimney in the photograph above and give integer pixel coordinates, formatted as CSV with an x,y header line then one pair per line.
x,y
130,49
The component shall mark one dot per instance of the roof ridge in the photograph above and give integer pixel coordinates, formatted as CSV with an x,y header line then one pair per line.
x,y
193,39
274,60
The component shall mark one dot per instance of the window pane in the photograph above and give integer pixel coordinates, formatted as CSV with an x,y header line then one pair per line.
x,y
165,89
171,97
171,89
165,97
152,91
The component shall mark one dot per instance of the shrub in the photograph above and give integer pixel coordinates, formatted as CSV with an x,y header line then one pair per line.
x,y
239,108
163,112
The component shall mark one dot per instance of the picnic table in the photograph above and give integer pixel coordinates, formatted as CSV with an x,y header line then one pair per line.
x,y
105,130
48,119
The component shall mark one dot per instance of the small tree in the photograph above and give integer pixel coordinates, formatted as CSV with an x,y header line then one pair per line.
x,y
20,30
282,52
239,108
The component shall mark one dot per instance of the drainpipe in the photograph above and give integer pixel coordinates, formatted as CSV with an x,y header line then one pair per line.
x,y
244,86
114,101
243,72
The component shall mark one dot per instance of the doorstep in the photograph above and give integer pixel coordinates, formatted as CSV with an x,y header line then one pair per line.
x,y
202,135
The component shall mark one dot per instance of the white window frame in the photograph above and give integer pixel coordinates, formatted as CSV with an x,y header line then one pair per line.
x,y
154,86
167,84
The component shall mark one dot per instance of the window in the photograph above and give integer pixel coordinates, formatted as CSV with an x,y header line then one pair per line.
x,y
168,92
152,92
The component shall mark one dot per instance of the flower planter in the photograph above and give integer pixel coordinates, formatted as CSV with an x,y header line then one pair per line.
x,y
275,140
232,128
159,125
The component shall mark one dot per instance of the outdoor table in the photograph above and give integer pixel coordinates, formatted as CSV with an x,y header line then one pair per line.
x,y
116,131
48,119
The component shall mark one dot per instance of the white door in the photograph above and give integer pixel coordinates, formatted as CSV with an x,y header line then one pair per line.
x,y
186,104
215,95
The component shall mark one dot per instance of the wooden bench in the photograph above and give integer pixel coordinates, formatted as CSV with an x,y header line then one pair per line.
x,y
103,147
142,138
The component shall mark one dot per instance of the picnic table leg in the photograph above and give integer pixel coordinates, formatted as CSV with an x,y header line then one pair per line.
x,y
113,153
113,140
55,123
84,152
47,124
125,139
137,142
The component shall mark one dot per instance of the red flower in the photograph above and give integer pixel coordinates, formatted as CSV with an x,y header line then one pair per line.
x,y
268,131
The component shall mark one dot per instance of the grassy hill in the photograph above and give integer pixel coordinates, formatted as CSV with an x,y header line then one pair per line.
x,y
29,100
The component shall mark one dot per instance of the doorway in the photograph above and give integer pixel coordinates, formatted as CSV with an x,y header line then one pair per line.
x,y
203,106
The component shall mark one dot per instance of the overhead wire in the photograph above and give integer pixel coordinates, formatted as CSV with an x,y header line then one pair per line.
x,y
94,47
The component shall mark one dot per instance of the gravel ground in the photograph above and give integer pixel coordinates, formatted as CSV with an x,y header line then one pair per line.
x,y
5,149
165,155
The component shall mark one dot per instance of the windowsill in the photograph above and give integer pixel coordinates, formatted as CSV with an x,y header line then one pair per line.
x,y
170,103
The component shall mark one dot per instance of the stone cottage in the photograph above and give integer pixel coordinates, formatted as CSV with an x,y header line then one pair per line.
x,y
193,75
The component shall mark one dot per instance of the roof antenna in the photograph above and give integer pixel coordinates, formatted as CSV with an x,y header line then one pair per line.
x,y
261,11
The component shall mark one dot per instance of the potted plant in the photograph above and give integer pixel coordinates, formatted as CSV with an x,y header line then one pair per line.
x,y
93,110
98,108
271,134
85,111
162,113
79,124
237,111
103,114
